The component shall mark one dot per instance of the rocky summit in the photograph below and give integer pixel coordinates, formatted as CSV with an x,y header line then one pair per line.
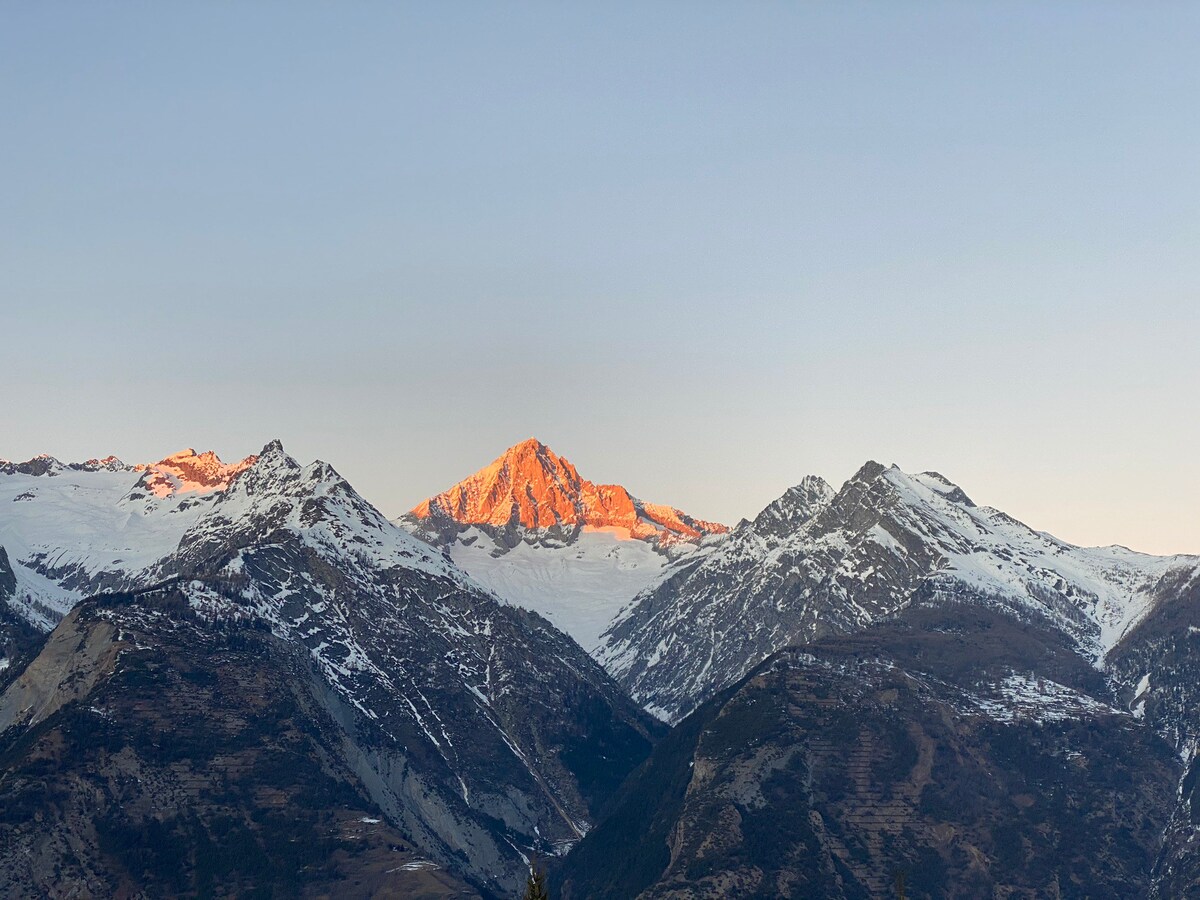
x,y
530,491
532,529
819,562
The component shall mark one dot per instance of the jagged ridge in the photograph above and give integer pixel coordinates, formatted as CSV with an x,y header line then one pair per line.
x,y
532,488
817,562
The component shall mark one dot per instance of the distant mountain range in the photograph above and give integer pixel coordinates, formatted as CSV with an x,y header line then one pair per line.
x,y
206,666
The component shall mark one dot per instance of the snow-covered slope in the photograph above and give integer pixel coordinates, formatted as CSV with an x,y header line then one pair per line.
x,y
313,502
579,586
73,529
817,562
529,527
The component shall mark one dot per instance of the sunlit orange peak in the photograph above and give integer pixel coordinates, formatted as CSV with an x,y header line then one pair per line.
x,y
190,472
533,487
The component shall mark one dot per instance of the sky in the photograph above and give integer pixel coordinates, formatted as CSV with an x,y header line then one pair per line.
x,y
700,249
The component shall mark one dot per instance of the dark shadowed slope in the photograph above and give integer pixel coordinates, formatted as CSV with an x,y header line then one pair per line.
x,y
153,754
1158,667
977,754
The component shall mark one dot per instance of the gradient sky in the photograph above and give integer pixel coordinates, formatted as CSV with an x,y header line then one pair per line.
x,y
700,249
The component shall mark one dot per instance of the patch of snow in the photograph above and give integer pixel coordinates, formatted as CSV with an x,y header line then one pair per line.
x,y
40,600
1027,698
415,865
579,587
881,536
81,524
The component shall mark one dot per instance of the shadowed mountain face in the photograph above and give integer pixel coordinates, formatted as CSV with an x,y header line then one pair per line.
x,y
17,636
158,755
473,727
816,563
975,754
1158,666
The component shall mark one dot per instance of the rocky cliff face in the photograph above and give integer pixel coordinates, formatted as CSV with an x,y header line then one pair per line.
x,y
968,752
17,636
817,562
1157,669
147,752
8,580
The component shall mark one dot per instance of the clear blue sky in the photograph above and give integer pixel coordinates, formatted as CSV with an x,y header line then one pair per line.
x,y
701,249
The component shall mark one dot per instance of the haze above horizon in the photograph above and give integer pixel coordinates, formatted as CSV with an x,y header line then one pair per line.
x,y
700,251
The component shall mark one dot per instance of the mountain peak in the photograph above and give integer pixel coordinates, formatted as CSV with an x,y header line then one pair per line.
x,y
531,488
109,463
530,445
42,464
869,471
188,472
531,449
797,505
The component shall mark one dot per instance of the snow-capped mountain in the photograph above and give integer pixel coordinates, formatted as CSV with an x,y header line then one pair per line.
x,y
537,533
475,726
74,529
818,562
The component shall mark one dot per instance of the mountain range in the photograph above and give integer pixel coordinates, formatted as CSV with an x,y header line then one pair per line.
x,y
818,562
470,724
206,666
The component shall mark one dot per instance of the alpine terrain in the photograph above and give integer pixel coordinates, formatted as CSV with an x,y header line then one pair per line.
x,y
954,747
242,679
532,529
888,684
818,562
255,680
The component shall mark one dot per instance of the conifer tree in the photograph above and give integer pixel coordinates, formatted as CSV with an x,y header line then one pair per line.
x,y
535,885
